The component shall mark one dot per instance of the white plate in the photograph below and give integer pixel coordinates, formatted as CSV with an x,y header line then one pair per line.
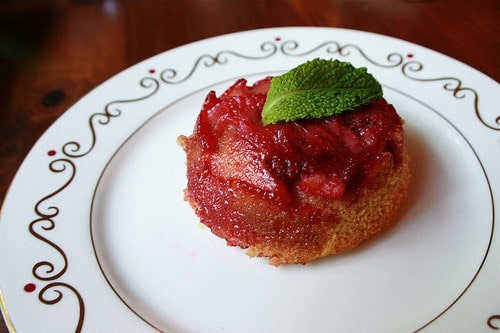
x,y
95,235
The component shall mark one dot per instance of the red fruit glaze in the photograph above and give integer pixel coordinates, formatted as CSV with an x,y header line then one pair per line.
x,y
327,157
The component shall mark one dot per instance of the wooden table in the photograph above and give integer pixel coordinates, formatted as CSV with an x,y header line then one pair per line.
x,y
55,52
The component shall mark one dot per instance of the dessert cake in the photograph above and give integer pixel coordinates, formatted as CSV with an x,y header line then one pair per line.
x,y
294,191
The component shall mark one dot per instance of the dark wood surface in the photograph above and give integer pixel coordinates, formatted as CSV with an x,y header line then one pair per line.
x,y
54,52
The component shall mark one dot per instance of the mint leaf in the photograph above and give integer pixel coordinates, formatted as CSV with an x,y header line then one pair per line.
x,y
318,88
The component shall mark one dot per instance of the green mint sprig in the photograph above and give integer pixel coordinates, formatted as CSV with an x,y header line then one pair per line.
x,y
318,88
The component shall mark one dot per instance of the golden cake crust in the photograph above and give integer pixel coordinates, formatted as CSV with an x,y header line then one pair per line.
x,y
371,213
